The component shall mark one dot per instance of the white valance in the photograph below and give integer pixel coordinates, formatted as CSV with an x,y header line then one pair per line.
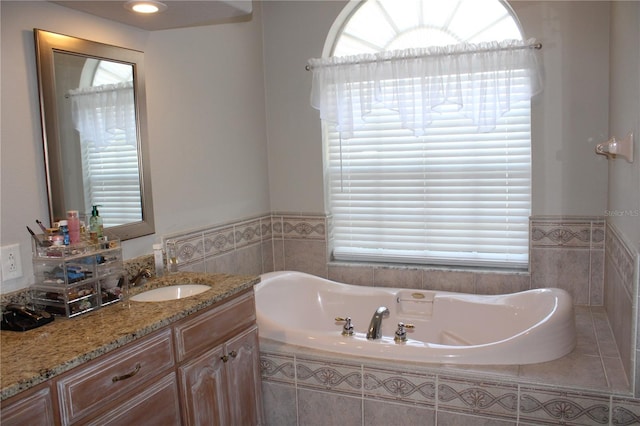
x,y
105,114
476,79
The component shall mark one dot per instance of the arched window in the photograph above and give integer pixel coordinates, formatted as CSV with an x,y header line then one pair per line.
x,y
384,25
451,190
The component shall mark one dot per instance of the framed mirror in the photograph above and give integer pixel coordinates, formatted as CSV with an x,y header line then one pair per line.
x,y
93,111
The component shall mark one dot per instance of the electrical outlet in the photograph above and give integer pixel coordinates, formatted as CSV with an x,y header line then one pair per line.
x,y
11,262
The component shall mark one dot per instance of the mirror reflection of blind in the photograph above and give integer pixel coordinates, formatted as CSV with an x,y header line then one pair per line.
x,y
112,180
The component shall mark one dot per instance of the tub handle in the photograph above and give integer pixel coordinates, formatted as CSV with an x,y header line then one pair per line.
x,y
347,328
401,332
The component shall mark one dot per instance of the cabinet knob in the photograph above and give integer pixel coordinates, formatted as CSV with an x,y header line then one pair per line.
x,y
128,375
231,355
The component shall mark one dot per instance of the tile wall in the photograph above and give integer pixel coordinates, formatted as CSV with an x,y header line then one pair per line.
x,y
623,279
299,388
565,252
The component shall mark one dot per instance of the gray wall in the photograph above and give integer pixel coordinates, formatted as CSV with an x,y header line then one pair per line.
x,y
205,105
624,117
214,161
569,117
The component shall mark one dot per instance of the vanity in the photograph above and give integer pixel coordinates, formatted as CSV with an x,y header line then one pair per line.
x,y
187,361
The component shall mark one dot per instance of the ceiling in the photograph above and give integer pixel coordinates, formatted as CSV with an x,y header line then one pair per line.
x,y
179,14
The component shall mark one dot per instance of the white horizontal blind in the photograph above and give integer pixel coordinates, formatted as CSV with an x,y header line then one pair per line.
x,y
112,180
453,196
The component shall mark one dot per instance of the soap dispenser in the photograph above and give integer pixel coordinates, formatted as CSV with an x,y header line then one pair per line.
x,y
95,224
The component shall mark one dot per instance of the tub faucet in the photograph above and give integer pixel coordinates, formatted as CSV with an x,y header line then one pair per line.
x,y
375,327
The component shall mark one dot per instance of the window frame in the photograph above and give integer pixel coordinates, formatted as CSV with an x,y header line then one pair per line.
x,y
329,48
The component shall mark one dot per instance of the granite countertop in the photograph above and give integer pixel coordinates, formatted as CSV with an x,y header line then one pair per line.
x,y
31,357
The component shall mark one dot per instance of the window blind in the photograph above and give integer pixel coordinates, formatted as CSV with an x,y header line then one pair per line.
x,y
453,196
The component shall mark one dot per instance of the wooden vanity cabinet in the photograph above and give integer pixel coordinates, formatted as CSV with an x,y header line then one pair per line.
x,y
222,386
244,391
203,370
220,379
34,407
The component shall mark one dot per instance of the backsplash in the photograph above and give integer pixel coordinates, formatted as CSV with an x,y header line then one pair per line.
x,y
568,252
565,252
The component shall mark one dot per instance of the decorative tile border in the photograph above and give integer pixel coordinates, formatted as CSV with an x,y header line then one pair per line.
x,y
419,389
556,407
247,233
299,227
478,398
570,232
195,246
266,228
277,368
619,255
219,241
329,376
464,393
189,248
625,412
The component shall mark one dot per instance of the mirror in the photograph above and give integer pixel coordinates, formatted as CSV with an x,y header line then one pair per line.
x,y
93,110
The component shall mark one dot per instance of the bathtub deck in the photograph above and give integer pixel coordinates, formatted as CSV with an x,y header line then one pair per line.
x,y
594,365
588,386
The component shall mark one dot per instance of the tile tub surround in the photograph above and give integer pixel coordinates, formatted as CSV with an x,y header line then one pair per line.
x,y
34,356
621,300
565,252
298,385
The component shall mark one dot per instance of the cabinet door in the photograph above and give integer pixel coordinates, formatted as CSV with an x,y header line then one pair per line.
x,y
34,409
156,404
203,388
245,389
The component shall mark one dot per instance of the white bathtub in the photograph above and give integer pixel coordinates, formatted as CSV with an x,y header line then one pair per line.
x,y
452,328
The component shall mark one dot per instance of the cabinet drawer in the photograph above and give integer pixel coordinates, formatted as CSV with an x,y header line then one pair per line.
x,y
156,404
210,328
101,381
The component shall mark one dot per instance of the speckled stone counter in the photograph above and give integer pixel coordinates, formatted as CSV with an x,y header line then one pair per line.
x,y
31,357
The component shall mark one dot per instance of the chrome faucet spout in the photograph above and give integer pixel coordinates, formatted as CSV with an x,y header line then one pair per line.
x,y
375,326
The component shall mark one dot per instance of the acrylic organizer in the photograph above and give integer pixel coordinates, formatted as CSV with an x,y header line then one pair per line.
x,y
76,279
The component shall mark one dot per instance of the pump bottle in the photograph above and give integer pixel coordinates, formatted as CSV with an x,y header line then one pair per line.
x,y
95,224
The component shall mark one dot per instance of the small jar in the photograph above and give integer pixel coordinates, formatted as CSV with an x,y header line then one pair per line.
x,y
73,221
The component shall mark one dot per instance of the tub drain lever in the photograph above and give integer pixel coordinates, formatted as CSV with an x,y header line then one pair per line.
x,y
401,332
347,328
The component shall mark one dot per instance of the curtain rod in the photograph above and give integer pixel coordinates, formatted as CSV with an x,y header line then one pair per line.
x,y
536,46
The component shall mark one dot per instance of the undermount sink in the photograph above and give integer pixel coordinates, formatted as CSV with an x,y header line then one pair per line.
x,y
172,292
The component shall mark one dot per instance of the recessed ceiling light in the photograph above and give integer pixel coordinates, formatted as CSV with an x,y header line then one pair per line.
x,y
145,6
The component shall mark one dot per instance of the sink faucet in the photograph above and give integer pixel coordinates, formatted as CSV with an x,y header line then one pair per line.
x,y
375,327
142,273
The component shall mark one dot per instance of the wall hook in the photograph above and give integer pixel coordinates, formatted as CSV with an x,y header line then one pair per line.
x,y
614,147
